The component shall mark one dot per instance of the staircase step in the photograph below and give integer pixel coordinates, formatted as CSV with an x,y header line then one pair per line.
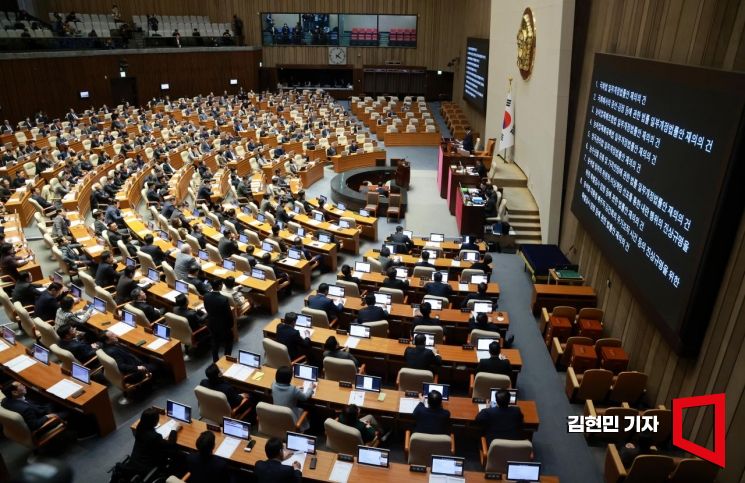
x,y
524,227
524,218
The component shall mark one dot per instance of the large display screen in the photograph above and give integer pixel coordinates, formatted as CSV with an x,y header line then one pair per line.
x,y
476,72
654,183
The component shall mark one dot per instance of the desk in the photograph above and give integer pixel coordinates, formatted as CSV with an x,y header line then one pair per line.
x,y
454,266
549,296
361,160
559,327
412,138
614,359
129,196
591,328
14,234
583,358
451,248
310,173
18,203
468,216
368,225
349,236
457,178
568,277
79,198
93,402
540,258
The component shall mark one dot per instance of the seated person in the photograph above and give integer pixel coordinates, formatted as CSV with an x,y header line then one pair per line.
x,y
204,466
484,264
289,336
47,304
496,363
370,312
320,301
25,291
402,239
106,275
72,340
287,395
482,323
125,285
272,470
392,282
192,278
196,318
470,243
501,421
425,309
425,261
385,259
421,357
139,300
331,348
366,425
438,287
150,449
215,382
65,314
155,252
34,414
432,418
236,297
479,295
346,275
131,366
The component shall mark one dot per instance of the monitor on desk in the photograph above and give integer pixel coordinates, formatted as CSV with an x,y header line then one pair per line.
x,y
129,318
482,307
383,298
484,342
235,428
208,222
163,234
178,411
80,373
57,277
318,216
436,237
153,275
195,213
443,389
447,465
162,331
304,321
409,233
260,217
436,304
76,291
429,338
203,255
301,232
322,200
301,443
182,287
477,279
131,262
344,224
324,238
359,330
367,383
336,291
295,254
41,354
228,264
180,243
391,247
362,267
341,206
249,359
9,335
296,209
267,247
472,257
258,274
493,395
243,238
402,273
432,255
305,372
364,212
367,455
99,305
524,472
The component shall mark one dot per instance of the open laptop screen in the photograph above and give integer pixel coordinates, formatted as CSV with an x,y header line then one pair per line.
x,y
447,465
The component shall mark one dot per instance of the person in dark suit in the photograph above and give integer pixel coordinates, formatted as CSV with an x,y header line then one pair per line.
x,y
114,215
479,295
503,421
425,309
25,291
496,363
196,318
69,340
385,259
272,470
484,264
425,261
392,282
371,312
35,415
438,287
401,239
289,336
139,299
217,383
431,419
125,285
320,301
106,273
155,252
480,169
481,322
150,449
331,348
346,272
468,140
127,363
420,357
47,304
205,467
219,319
228,246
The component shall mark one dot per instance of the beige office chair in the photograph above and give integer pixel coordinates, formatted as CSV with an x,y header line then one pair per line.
x,y
435,330
126,384
213,406
350,288
419,447
397,295
501,451
335,369
482,384
10,311
241,263
412,379
472,302
424,273
16,429
476,334
378,328
318,318
467,273
341,438
375,265
182,332
26,322
111,305
146,262
47,334
141,318
169,274
214,254
277,420
89,283
276,355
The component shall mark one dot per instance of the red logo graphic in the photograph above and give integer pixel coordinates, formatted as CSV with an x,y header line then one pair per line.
x,y
718,401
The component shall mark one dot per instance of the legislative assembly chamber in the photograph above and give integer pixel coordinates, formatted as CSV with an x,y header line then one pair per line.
x,y
344,241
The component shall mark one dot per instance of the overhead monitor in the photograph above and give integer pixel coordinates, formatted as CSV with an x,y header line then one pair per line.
x,y
476,73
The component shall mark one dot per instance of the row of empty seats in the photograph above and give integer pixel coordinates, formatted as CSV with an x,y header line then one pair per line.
x,y
185,25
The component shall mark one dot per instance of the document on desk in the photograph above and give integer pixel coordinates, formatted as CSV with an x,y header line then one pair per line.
x,y
307,386
340,472
171,295
3,346
95,248
482,355
432,244
165,429
463,287
445,479
241,278
455,263
227,447
64,388
406,405
208,265
120,328
305,332
314,222
352,342
83,239
357,274
220,271
18,364
333,226
290,261
299,457
157,344
239,371
357,397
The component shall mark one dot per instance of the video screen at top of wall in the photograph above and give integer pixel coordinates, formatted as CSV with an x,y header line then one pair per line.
x,y
657,145
299,29
476,73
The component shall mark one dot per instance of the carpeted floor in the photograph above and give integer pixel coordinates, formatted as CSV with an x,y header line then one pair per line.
x,y
562,454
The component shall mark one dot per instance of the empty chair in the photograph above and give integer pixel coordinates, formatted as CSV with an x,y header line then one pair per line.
x,y
336,369
628,387
146,261
318,318
482,384
341,437
435,330
501,451
467,273
425,273
644,469
412,379
593,384
558,311
606,342
373,200
561,353
111,305
619,413
664,425
26,322
127,384
182,332
89,284
476,334
394,207
213,406
169,274
693,470
276,355
378,328
277,420
375,265
419,447
47,334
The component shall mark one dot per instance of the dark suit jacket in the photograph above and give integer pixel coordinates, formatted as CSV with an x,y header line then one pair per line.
x,y
219,314
207,470
106,275
155,253
291,338
495,365
46,306
321,302
473,296
227,247
395,283
124,288
194,318
125,361
234,397
421,358
431,421
439,289
25,293
424,264
501,423
371,314
35,415
489,326
150,312
273,471
81,350
151,450
481,266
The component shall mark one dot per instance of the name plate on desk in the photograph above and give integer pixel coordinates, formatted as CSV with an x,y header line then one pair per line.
x,y
403,340
345,457
493,476
418,468
467,347
345,384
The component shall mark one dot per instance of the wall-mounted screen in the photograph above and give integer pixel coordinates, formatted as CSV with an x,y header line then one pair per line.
x,y
164,87
476,72
359,30
656,180
85,94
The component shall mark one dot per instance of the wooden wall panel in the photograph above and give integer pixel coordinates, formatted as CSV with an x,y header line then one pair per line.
x,y
704,33
53,83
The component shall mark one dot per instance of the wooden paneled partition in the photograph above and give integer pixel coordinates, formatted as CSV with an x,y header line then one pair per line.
x,y
706,33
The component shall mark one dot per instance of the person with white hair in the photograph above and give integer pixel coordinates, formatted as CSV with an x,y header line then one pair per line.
x,y
184,262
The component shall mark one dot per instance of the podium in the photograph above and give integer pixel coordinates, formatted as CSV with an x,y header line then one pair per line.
x,y
403,172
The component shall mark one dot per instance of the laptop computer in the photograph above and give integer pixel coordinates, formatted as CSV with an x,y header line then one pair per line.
x,y
178,411
129,318
367,383
477,279
359,330
80,373
436,237
367,455
182,287
228,264
493,395
305,372
523,472
235,428
443,389
362,267
162,331
447,465
99,305
249,359
41,354
301,443
303,321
